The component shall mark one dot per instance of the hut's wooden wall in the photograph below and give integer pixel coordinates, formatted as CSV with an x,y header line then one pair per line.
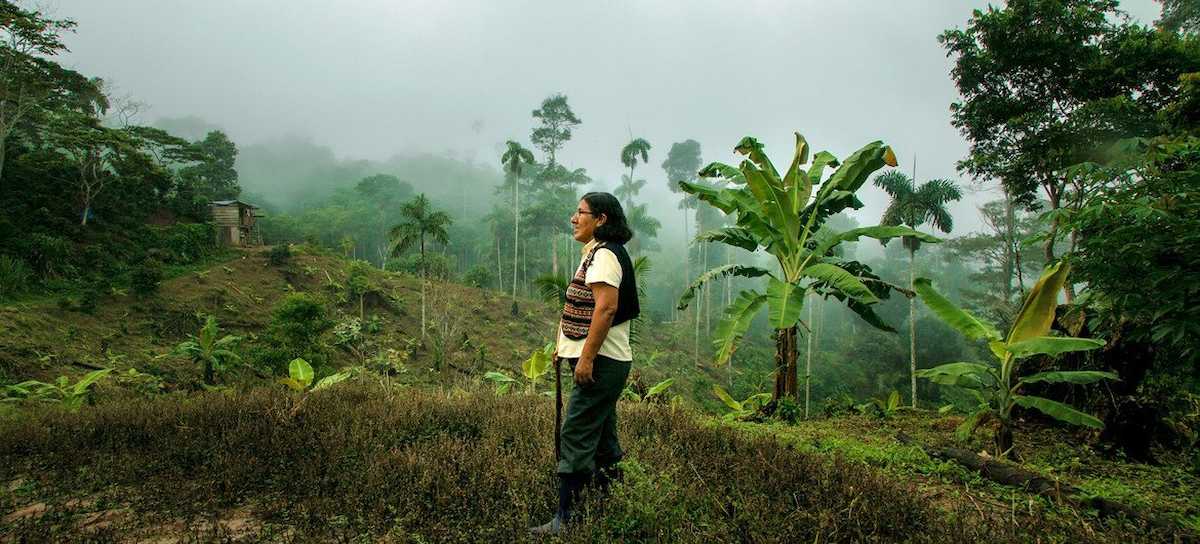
x,y
225,216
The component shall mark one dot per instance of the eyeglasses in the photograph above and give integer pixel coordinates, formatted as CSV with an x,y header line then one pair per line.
x,y
583,212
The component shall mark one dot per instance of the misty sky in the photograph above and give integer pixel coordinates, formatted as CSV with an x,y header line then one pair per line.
x,y
373,78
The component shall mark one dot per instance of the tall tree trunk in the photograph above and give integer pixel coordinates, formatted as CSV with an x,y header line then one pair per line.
x,y
516,236
1009,245
808,359
3,147
554,254
785,363
912,325
423,280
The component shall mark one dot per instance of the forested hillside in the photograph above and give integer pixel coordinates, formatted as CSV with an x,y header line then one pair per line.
x,y
216,332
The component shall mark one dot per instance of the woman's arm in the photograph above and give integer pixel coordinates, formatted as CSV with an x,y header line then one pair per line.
x,y
602,318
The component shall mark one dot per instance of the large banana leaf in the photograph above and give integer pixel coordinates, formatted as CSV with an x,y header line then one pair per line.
x,y
817,169
726,398
981,416
1079,377
840,279
1037,313
950,373
301,372
734,236
723,171
1052,345
956,317
784,303
876,232
92,377
735,322
660,387
753,149
1058,410
855,170
719,272
772,201
796,181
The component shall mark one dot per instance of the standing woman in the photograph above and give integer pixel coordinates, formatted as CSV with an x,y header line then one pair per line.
x,y
594,338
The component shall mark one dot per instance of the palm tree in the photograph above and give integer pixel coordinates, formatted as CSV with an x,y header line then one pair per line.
x,y
629,157
420,220
515,160
627,189
781,214
644,226
912,207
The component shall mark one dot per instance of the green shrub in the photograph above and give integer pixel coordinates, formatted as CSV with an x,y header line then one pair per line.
x,y
145,277
187,243
15,276
480,276
48,255
297,324
279,255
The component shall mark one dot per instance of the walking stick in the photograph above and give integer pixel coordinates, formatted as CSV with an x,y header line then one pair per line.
x,y
557,410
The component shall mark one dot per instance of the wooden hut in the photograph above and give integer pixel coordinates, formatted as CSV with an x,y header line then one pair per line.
x,y
236,222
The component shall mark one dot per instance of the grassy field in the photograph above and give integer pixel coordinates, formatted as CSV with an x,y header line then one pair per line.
x,y
372,462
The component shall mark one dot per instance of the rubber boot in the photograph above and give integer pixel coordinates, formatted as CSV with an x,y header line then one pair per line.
x,y
569,488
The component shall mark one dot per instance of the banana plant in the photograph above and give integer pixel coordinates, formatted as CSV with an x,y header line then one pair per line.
x,y
300,377
781,215
208,350
998,387
72,396
740,409
656,392
537,365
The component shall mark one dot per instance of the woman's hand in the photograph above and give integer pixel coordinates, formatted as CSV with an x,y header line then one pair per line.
x,y
583,371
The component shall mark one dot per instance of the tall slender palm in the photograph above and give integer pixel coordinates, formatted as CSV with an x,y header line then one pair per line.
x,y
628,189
913,206
638,147
515,160
420,220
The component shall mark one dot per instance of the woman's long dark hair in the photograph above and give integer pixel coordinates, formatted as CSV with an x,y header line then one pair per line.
x,y
616,227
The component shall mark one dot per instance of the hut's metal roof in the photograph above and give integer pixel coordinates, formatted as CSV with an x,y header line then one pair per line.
x,y
232,202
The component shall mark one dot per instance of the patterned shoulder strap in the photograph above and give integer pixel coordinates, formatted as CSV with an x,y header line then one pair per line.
x,y
592,256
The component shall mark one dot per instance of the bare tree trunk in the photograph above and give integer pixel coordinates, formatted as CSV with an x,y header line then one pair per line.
x,y
912,325
808,360
423,279
554,254
785,363
516,236
1009,245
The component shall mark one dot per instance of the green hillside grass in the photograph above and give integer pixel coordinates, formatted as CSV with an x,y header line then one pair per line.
x,y
363,462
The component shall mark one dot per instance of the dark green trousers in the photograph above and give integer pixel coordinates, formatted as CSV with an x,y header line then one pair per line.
x,y
589,431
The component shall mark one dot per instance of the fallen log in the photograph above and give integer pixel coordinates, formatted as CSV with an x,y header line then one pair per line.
x,y
1011,474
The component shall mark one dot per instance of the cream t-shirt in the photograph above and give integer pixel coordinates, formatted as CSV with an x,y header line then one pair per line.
x,y
605,269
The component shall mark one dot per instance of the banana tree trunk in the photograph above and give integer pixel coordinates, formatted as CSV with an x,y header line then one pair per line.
x,y
1004,439
785,363
912,326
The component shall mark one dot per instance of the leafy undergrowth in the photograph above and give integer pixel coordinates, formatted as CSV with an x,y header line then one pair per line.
x,y
1165,491
367,462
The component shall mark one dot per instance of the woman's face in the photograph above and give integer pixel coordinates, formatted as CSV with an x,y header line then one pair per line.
x,y
584,222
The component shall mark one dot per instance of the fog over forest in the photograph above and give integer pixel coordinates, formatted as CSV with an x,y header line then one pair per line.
x,y
459,78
